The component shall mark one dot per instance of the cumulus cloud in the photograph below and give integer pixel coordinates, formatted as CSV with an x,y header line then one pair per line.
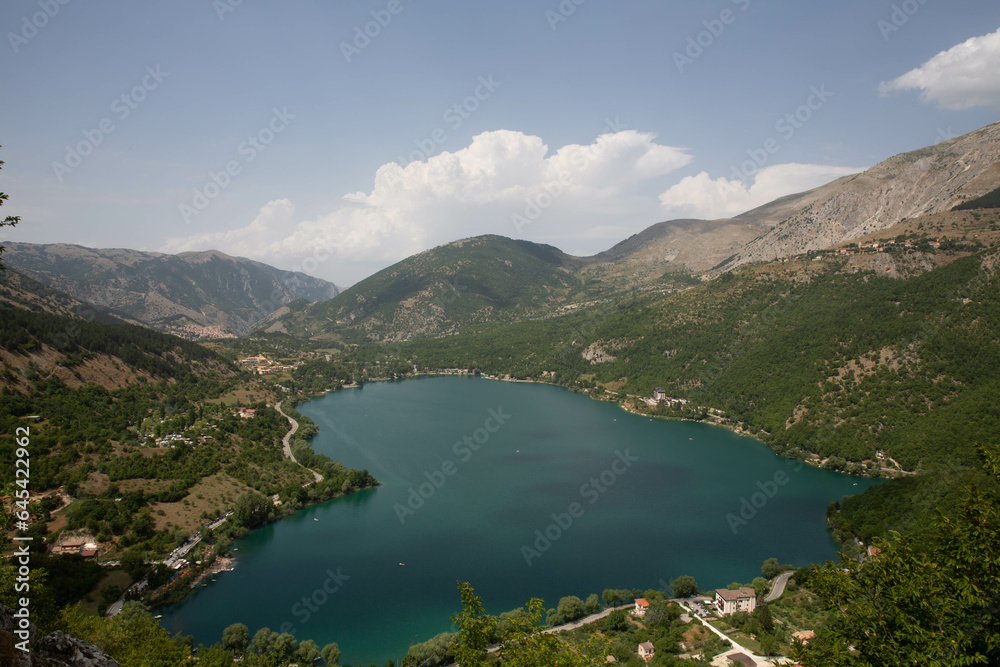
x,y
504,182
581,198
966,75
701,196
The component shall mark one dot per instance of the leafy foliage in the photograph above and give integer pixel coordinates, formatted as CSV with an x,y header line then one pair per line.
x,y
8,221
937,604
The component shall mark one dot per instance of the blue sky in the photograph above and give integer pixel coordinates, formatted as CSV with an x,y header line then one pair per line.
x,y
269,129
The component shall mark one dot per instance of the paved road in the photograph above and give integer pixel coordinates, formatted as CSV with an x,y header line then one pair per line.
x,y
573,625
286,442
779,586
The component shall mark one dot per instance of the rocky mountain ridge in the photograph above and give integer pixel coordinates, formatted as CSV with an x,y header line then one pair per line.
x,y
193,294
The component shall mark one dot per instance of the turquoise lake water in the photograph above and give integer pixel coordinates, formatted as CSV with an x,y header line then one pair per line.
x,y
524,490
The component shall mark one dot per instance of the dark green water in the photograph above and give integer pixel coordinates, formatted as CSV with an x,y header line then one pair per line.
x,y
650,500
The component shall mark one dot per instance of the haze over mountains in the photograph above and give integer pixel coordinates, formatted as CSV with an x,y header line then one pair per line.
x,y
196,294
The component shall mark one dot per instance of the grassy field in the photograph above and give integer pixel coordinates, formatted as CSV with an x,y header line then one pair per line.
x,y
213,494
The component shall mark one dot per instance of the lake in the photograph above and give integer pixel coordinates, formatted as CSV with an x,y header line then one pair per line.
x,y
524,490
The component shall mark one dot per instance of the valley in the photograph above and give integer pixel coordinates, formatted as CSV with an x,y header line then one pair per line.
x,y
851,329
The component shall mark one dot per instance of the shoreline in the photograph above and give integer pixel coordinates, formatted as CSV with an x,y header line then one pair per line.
x,y
712,420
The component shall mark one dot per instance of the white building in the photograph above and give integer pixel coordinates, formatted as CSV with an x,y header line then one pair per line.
x,y
742,599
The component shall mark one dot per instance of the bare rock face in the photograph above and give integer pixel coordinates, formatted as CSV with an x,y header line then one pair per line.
x,y
54,650
65,650
921,182
596,354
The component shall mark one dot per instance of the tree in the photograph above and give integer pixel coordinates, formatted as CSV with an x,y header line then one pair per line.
x,y
475,628
263,641
759,585
770,569
593,603
235,637
251,508
768,644
932,603
570,608
763,616
684,586
307,652
330,654
616,621
9,221
215,656
133,562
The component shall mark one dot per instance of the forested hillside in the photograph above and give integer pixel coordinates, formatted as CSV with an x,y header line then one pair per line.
x,y
482,280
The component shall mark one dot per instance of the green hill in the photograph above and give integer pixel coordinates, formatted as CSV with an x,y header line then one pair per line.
x,y
476,281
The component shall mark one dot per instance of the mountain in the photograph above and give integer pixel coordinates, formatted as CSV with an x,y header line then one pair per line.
x,y
486,279
675,245
959,173
919,183
19,291
194,294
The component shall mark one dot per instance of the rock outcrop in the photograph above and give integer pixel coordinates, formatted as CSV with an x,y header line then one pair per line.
x,y
53,650
921,182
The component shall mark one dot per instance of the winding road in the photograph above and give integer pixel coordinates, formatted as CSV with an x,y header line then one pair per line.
x,y
286,444
779,586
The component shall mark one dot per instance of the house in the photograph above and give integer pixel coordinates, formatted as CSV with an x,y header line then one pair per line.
x,y
646,651
659,394
641,607
741,659
247,413
873,551
742,599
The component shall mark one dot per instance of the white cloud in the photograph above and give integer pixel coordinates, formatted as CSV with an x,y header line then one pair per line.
x,y
966,75
702,196
475,190
582,198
